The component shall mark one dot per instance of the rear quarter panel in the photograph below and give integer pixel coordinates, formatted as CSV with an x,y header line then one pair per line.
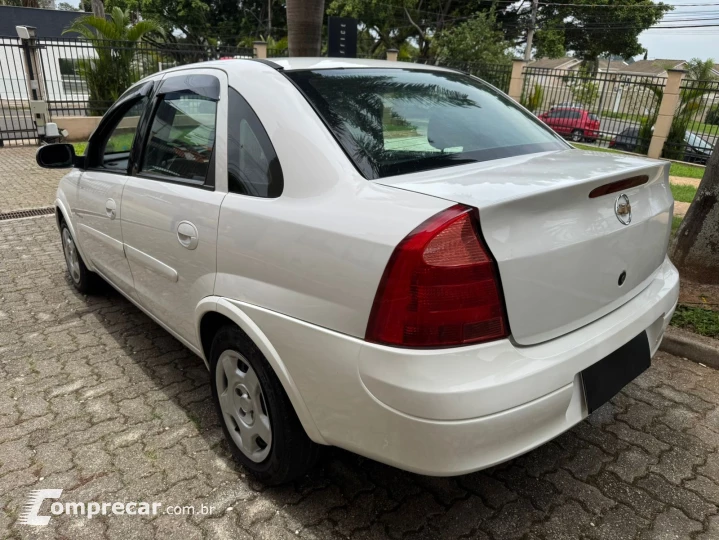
x,y
317,252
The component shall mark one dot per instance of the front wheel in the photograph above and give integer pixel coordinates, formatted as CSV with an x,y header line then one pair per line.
x,y
577,135
257,418
82,279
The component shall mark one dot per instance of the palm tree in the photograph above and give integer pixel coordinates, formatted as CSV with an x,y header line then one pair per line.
x,y
115,42
698,83
304,26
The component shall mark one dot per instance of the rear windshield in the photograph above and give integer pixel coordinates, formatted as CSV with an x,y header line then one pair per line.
x,y
396,121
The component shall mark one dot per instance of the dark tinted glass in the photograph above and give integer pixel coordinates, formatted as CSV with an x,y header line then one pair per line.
x,y
116,150
182,137
252,164
395,121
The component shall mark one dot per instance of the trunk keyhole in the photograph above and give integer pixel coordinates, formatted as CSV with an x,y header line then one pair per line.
x,y
622,277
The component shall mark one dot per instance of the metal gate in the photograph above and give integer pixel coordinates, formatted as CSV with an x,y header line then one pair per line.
x,y
16,119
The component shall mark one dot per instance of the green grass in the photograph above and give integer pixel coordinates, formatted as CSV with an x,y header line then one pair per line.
x,y
677,169
80,148
683,193
594,148
702,128
687,171
676,221
702,321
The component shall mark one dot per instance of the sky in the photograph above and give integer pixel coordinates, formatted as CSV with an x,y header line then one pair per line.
x,y
685,43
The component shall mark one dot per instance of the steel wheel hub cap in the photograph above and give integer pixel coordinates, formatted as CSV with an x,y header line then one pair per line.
x,y
243,406
71,257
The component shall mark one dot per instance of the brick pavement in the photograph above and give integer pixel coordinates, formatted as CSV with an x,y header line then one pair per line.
x,y
97,399
22,183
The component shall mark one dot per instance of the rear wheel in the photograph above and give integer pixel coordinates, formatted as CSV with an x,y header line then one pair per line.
x,y
82,279
257,418
577,135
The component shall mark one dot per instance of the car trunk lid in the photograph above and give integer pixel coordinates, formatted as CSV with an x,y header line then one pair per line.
x,y
559,251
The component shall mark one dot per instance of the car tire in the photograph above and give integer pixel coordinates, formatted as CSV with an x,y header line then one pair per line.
x,y
577,135
257,417
82,279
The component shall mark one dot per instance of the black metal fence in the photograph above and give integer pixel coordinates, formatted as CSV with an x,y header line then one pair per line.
x,y
694,132
83,78
498,75
278,53
607,109
16,120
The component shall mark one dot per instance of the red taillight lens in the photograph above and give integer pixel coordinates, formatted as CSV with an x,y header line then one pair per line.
x,y
440,287
612,143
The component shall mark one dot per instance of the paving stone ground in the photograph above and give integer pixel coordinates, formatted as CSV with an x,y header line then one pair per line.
x,y
98,400
22,183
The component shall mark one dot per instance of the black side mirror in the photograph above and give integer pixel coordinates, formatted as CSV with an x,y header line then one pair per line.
x,y
56,156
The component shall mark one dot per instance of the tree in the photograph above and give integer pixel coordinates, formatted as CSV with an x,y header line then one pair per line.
x,y
208,22
700,70
98,9
591,32
44,4
534,101
713,116
110,73
392,23
695,249
549,44
585,91
64,6
477,40
699,82
304,26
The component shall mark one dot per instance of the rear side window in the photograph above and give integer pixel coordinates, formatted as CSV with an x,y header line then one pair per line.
x,y
593,116
252,165
574,114
397,121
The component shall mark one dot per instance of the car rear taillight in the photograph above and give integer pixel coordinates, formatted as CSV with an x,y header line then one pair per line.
x,y
612,143
440,288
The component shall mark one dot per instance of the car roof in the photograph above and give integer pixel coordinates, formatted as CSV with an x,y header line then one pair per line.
x,y
300,63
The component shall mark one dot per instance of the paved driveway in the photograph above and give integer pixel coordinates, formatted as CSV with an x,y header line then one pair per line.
x,y
22,183
97,400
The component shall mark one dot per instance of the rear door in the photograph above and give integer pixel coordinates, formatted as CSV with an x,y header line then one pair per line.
x,y
561,121
172,201
98,210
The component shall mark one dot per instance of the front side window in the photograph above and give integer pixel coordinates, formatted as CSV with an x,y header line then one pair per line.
x,y
181,138
396,121
116,151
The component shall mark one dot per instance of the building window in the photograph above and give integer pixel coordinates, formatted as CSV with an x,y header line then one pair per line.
x,y
72,81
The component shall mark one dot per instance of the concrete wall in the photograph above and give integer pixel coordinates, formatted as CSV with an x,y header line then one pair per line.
x,y
79,128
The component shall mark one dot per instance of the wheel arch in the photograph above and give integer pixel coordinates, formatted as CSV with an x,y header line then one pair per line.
x,y
62,214
212,312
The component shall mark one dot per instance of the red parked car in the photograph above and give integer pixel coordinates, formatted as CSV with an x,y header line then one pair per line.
x,y
578,123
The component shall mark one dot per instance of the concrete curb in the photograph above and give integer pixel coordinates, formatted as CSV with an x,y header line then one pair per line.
x,y
691,346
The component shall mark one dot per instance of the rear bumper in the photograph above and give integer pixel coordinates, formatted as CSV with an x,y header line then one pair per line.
x,y
454,411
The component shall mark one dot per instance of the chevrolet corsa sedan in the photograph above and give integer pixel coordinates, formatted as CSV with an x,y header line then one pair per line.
x,y
393,259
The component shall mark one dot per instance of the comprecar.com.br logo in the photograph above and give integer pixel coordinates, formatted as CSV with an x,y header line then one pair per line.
x,y
30,514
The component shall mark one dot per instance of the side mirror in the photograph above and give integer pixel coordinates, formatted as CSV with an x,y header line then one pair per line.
x,y
56,156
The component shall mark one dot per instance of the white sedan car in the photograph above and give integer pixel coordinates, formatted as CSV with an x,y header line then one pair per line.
x,y
390,258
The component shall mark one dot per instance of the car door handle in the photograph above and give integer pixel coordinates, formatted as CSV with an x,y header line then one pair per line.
x,y
187,235
111,208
